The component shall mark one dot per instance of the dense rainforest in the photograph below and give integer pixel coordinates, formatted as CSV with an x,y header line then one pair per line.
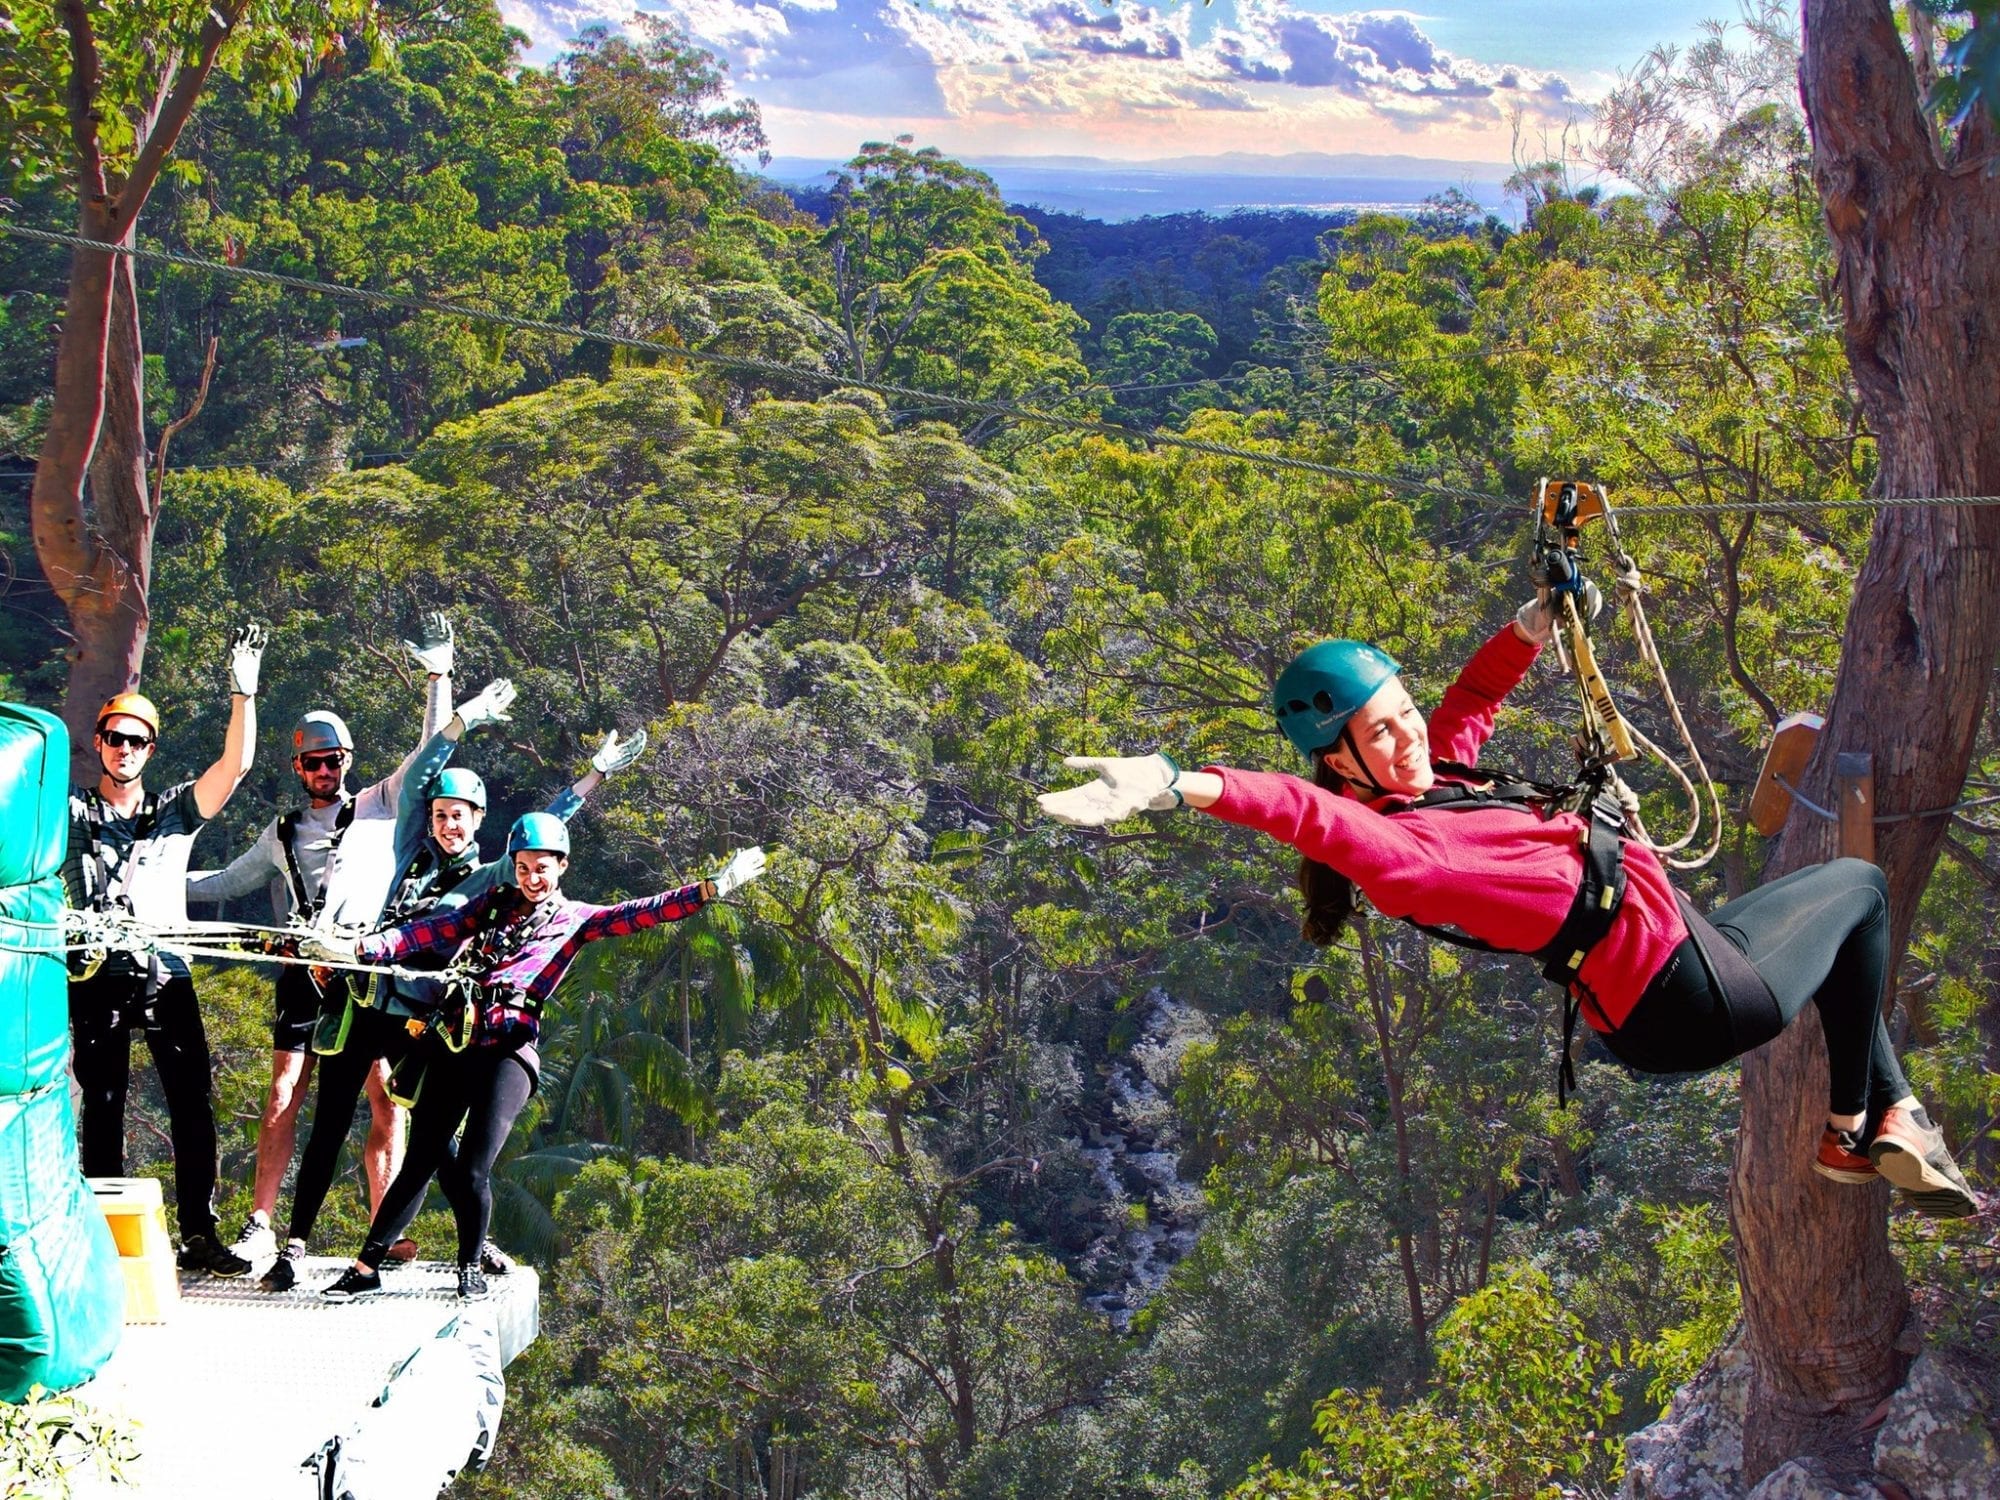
x,y
966,1155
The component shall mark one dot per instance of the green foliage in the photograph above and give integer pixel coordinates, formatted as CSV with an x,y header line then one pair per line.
x,y
1522,1404
815,1178
46,1439
1695,1271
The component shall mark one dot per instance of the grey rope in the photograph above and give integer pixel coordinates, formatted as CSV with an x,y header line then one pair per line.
x,y
1827,813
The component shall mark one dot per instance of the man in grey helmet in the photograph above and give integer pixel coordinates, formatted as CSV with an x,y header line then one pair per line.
x,y
331,864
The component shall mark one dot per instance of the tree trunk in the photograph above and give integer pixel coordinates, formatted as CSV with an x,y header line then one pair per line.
x,y
99,561
1918,241
98,567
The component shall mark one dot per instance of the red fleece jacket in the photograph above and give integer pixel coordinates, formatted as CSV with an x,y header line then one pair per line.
x,y
1500,874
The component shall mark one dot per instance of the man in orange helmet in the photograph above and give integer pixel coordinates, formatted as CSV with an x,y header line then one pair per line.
x,y
128,851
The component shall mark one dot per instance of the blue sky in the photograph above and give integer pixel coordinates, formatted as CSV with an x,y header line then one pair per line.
x,y
1452,80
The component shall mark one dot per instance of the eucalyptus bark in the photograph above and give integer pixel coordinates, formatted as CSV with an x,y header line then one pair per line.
x,y
1916,231
98,558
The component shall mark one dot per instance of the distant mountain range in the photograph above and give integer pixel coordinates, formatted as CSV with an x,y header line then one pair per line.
x,y
1119,190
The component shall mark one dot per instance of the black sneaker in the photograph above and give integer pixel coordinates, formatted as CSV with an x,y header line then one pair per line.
x,y
353,1286
284,1272
200,1252
493,1260
471,1284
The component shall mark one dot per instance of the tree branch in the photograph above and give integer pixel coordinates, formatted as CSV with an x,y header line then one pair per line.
x,y
173,114
178,423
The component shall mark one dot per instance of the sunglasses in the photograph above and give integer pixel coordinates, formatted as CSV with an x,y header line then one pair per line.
x,y
118,739
330,761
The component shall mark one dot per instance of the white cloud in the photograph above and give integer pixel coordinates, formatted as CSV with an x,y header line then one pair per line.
x,y
1122,80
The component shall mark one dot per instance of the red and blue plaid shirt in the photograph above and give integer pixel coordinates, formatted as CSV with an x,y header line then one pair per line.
x,y
538,964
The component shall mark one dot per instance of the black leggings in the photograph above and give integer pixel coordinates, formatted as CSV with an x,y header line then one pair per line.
x,y
102,1011
1821,935
483,1088
371,1036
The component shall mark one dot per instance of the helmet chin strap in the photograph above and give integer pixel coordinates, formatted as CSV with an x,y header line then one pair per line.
x,y
122,780
1368,783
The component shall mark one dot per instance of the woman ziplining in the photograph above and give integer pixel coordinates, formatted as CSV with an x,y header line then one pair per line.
x,y
1395,809
476,1063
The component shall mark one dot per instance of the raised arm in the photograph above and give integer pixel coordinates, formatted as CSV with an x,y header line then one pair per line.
x,y
613,756
489,706
1464,720
219,782
744,866
434,650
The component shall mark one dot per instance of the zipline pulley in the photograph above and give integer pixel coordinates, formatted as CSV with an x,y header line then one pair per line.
x,y
1562,507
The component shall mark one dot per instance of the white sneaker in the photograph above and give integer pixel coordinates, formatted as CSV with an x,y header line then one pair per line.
x,y
258,1242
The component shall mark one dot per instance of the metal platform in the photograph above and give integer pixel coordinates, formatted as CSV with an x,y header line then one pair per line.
x,y
240,1387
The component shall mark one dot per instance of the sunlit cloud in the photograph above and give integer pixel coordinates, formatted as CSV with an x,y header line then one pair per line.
x,y
1077,75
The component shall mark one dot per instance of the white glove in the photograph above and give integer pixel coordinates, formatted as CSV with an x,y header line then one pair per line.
x,y
433,647
1538,616
1126,784
1627,580
616,754
246,654
488,706
329,947
744,866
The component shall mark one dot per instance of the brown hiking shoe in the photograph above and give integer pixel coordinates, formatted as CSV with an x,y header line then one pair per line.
x,y
1910,1152
1840,1157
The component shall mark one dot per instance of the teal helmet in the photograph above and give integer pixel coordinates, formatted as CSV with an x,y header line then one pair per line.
x,y
538,830
1324,686
459,783
322,729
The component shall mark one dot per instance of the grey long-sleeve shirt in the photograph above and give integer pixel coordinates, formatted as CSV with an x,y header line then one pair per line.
x,y
352,881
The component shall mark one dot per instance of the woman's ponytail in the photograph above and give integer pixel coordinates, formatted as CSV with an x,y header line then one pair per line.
x,y
1326,894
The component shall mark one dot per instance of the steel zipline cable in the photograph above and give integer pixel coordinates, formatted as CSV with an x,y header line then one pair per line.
x,y
944,401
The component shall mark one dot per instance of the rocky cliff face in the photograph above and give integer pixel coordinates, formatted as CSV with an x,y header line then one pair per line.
x,y
1146,1215
1936,1440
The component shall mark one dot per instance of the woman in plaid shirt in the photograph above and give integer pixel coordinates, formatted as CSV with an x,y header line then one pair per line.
x,y
517,942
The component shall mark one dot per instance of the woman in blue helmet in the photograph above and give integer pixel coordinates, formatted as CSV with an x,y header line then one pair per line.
x,y
514,944
1395,808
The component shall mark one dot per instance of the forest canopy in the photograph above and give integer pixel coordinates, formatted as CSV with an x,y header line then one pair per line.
x,y
963,1155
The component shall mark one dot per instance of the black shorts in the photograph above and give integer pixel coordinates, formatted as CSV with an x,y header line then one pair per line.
x,y
299,1001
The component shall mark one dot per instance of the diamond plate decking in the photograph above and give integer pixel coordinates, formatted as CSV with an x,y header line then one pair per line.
x,y
239,1388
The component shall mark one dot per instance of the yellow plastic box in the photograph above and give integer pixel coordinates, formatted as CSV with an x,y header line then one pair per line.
x,y
138,1218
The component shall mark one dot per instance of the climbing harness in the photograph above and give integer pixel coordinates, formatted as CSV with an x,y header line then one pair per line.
x,y
1599,894
1560,511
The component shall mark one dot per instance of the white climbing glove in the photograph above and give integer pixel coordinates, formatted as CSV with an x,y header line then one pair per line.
x,y
1538,616
1626,581
488,706
744,866
329,947
246,655
616,754
433,649
1125,784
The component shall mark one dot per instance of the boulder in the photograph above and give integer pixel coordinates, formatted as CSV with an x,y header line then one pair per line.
x,y
1806,1479
1937,1440
1695,1450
